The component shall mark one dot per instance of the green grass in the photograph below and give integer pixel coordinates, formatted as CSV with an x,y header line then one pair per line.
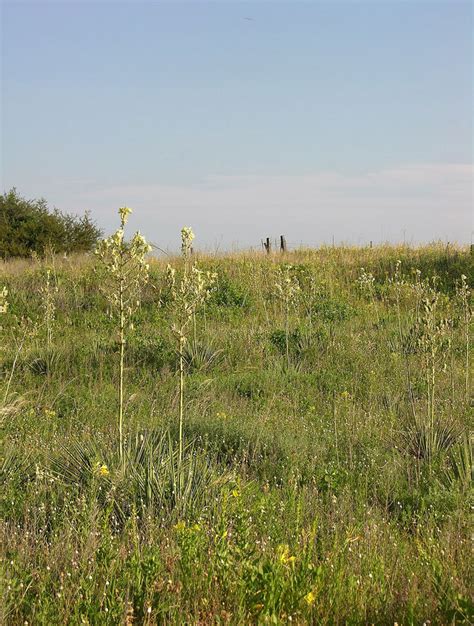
x,y
316,486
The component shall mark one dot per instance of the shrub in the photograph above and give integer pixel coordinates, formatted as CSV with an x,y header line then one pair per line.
x,y
28,226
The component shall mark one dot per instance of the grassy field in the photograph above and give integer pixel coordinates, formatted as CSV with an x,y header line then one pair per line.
x,y
325,469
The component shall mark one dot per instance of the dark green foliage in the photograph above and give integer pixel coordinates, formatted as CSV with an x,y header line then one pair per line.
x,y
28,226
331,310
227,293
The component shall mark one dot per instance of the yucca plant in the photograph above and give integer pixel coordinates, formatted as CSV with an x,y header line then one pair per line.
x,y
424,439
287,290
151,474
433,341
463,298
24,330
48,291
201,356
189,291
3,300
126,271
14,467
460,467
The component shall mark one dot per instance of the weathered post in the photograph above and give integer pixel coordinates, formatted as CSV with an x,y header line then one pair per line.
x,y
282,243
267,245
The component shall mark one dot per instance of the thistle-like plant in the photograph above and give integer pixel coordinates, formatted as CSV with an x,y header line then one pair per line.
x,y
288,291
189,291
126,272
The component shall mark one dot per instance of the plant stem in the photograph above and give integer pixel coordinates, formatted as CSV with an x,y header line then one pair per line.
x,y
181,397
466,315
121,365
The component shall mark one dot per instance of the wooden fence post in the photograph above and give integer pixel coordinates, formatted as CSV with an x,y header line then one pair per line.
x,y
267,244
282,243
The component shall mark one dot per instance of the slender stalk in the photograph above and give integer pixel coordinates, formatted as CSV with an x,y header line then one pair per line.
x,y
12,371
121,365
181,398
466,320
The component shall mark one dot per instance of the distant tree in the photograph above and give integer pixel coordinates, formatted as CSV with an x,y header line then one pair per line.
x,y
28,226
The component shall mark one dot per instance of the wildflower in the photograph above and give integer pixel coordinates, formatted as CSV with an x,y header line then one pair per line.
x,y
101,469
124,212
284,556
235,493
187,237
126,272
310,598
188,294
3,300
180,526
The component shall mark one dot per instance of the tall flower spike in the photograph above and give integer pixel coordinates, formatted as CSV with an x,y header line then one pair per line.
x,y
3,300
124,212
187,237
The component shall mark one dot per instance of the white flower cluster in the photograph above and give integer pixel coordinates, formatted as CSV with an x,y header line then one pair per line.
x,y
287,285
191,290
125,264
187,238
3,300
365,281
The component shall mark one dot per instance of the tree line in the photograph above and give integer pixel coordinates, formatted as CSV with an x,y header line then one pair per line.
x,y
29,227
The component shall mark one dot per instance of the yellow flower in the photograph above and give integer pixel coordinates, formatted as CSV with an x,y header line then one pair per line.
x,y
180,526
284,557
101,469
235,493
310,598
104,470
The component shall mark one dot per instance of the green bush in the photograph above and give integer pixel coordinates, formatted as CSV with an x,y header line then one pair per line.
x,y
28,226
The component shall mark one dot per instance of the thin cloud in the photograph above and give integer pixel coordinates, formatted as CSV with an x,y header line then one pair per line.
x,y
423,201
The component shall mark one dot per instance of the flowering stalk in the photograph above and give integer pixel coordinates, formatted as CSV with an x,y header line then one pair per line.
x,y
463,294
127,270
48,304
287,289
188,294
3,300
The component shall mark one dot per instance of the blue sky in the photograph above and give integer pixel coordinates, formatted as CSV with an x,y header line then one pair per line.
x,y
313,119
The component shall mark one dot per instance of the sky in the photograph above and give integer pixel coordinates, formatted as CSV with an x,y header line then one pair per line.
x,y
345,121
